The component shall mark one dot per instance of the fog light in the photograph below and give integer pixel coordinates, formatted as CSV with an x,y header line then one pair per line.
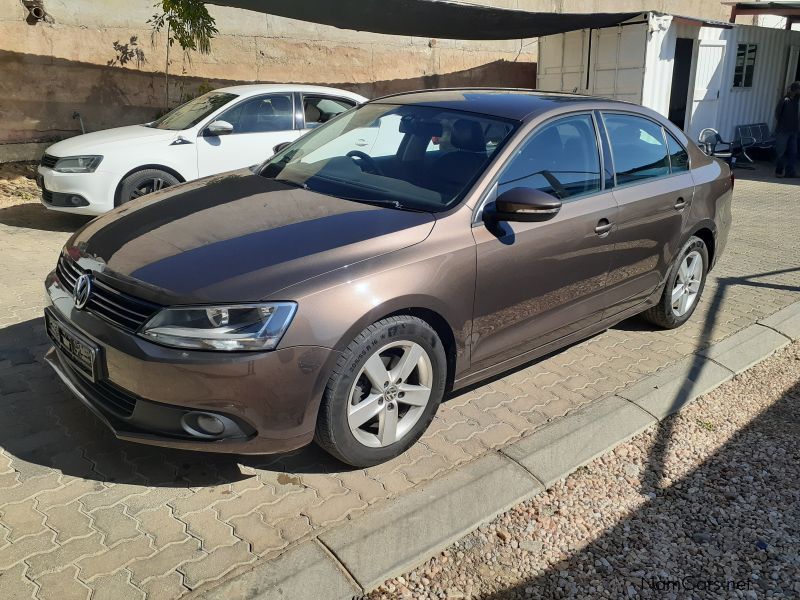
x,y
76,200
210,424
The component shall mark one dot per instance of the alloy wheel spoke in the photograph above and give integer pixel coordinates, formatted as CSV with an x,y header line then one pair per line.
x,y
683,305
365,410
414,395
387,426
683,272
694,286
677,293
407,362
376,372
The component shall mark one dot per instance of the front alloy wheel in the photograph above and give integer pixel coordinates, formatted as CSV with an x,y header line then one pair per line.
x,y
383,392
390,394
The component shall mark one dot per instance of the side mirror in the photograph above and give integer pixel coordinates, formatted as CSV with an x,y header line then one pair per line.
x,y
278,147
522,204
219,128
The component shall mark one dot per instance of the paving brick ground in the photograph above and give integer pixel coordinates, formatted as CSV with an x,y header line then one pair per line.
x,y
82,513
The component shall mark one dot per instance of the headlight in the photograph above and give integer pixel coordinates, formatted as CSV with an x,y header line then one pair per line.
x,y
78,164
227,327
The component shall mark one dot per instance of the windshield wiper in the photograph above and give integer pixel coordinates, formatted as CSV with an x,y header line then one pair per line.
x,y
289,182
396,204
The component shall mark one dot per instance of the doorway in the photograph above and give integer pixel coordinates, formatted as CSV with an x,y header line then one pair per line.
x,y
681,75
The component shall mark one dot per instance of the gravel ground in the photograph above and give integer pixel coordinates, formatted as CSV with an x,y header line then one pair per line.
x,y
705,506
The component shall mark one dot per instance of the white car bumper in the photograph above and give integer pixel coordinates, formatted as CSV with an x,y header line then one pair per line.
x,y
93,192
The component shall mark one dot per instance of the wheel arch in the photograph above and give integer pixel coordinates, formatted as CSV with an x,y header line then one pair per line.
x,y
138,168
428,309
707,233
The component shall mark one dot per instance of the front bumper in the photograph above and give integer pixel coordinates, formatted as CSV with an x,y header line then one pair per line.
x,y
145,390
96,189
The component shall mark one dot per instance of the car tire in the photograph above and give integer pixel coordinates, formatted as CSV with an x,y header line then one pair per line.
x,y
685,283
144,182
408,355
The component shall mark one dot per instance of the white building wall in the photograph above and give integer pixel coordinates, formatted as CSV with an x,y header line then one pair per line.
x,y
756,104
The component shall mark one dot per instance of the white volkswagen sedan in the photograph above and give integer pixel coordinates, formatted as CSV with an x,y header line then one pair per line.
x,y
226,129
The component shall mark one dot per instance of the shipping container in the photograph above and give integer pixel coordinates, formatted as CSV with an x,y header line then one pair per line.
x,y
698,73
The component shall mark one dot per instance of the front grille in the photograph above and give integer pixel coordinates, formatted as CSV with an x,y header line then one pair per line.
x,y
49,161
103,393
119,308
113,398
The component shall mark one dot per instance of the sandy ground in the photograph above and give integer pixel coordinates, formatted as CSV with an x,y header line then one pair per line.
x,y
705,506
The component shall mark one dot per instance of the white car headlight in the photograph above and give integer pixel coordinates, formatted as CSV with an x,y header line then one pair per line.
x,y
78,164
226,327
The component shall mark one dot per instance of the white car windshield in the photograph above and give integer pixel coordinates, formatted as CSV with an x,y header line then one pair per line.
x,y
190,114
408,156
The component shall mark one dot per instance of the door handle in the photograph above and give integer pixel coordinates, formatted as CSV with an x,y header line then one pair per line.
x,y
603,227
680,204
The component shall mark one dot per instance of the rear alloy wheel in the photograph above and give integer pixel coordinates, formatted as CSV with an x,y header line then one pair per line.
x,y
685,283
383,393
145,182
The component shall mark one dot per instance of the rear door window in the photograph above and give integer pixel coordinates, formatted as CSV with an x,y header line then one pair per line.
x,y
320,109
561,159
637,145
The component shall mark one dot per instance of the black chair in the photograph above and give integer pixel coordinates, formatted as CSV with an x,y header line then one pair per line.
x,y
712,144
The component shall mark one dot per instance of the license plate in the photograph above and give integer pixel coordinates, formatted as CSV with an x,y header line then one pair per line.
x,y
80,351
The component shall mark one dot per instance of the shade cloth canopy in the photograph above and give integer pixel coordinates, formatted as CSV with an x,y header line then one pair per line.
x,y
430,18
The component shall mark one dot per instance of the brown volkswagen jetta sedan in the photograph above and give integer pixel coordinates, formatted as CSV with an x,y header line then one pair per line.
x,y
411,246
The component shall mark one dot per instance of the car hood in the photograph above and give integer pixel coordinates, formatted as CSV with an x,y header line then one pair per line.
x,y
99,141
236,237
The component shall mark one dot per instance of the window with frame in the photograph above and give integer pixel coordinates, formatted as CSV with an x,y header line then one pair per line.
x,y
320,109
261,114
745,65
561,158
637,145
678,156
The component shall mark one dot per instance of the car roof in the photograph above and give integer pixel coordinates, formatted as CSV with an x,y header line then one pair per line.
x,y
508,103
265,88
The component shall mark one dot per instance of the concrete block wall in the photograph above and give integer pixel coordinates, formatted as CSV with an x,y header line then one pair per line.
x,y
51,69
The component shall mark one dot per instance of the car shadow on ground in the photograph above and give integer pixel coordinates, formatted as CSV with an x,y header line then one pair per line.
x,y
732,536
44,427
35,216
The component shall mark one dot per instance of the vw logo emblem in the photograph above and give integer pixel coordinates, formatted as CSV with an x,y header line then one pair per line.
x,y
83,289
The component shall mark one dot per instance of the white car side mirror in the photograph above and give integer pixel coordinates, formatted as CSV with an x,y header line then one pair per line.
x,y
219,128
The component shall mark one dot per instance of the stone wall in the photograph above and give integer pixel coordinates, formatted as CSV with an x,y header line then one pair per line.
x,y
50,70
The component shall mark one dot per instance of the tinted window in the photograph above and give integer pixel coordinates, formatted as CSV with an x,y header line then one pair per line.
x,y
261,114
190,114
678,157
561,159
321,110
637,145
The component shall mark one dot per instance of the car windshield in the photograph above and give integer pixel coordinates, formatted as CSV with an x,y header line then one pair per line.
x,y
406,156
190,114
